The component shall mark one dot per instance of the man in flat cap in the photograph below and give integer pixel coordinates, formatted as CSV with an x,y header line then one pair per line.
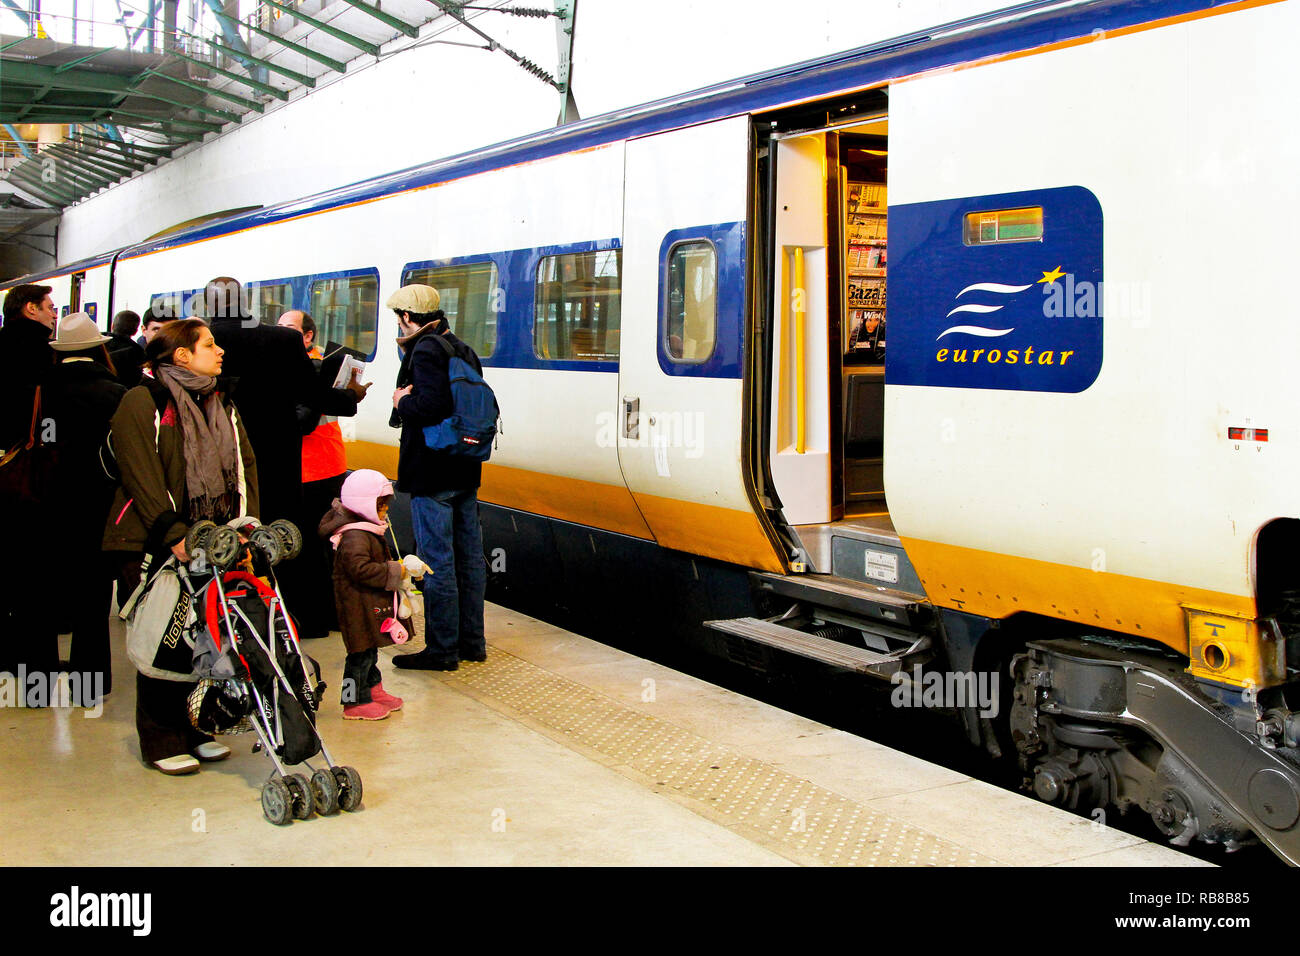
x,y
443,487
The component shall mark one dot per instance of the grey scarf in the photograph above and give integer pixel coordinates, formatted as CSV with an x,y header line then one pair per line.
x,y
211,479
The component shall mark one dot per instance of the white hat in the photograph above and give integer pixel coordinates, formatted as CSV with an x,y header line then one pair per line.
x,y
420,299
77,331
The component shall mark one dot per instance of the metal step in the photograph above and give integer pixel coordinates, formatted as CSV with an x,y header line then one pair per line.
x,y
901,608
857,659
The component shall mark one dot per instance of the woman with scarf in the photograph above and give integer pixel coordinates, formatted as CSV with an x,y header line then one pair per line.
x,y
183,456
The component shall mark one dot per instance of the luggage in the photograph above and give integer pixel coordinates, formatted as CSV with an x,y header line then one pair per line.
x,y
161,621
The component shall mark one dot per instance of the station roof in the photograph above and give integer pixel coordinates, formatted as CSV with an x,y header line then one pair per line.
x,y
118,111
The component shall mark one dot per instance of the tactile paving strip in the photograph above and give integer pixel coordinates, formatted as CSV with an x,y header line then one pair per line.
x,y
782,811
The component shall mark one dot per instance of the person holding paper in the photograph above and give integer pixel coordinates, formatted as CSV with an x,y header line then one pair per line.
x,y
324,466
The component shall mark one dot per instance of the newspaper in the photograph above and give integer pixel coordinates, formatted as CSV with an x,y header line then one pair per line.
x,y
350,371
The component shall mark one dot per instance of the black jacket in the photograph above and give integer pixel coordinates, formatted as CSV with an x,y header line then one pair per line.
x,y
426,366
79,400
25,361
268,374
128,359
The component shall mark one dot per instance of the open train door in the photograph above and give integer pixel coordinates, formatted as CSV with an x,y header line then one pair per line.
x,y
681,364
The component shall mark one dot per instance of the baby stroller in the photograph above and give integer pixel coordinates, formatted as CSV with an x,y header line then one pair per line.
x,y
253,672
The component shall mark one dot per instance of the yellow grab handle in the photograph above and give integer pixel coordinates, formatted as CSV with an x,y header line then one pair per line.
x,y
799,308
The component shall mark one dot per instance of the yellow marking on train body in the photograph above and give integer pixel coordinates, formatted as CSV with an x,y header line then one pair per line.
x,y
1233,651
1000,585
723,533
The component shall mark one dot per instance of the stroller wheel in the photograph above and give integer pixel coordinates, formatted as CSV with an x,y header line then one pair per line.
x,y
197,538
349,782
277,804
223,547
304,801
325,789
290,538
268,542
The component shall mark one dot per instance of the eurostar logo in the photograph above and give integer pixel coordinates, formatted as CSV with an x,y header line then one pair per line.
x,y
977,308
1016,313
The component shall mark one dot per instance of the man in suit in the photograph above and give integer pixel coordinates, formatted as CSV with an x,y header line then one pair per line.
x,y
269,376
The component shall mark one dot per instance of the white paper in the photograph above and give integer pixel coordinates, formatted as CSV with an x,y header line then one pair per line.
x,y
350,368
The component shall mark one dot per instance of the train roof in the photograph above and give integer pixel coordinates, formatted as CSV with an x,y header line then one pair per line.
x,y
1008,30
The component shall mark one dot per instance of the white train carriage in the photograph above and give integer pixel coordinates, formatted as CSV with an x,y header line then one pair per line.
x,y
1066,464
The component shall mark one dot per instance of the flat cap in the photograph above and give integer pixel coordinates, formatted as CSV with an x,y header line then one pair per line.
x,y
420,299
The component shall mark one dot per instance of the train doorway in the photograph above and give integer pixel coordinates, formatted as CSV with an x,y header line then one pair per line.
x,y
830,224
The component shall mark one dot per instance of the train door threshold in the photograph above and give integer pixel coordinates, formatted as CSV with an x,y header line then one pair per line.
x,y
857,627
863,548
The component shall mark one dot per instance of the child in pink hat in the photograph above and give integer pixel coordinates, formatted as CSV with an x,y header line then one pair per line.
x,y
366,582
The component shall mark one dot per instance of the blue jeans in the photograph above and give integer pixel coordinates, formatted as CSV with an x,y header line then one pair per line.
x,y
449,539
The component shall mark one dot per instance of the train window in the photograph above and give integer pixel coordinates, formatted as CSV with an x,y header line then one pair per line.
x,y
346,310
470,296
577,306
270,300
691,326
177,305
1003,225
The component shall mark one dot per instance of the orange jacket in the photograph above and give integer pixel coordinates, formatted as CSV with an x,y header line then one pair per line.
x,y
322,451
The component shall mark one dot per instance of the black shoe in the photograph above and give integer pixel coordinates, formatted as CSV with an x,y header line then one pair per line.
x,y
476,658
424,661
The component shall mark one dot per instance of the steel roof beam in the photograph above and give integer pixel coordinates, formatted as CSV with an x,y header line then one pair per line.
x,y
59,116
89,162
208,91
335,65
223,115
400,25
191,124
303,78
365,46
128,149
33,180
35,75
149,125
247,81
74,172
81,179
64,67
95,151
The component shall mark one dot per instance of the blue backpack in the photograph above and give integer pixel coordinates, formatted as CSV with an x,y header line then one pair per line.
x,y
472,425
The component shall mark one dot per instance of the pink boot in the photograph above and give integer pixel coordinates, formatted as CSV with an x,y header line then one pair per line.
x,y
371,711
381,696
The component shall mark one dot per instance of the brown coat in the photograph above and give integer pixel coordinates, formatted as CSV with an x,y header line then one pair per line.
x,y
364,582
150,454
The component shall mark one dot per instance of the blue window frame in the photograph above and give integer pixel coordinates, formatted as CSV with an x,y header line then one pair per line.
x,y
725,358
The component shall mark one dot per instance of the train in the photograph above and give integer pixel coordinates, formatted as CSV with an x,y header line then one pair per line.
x,y
1063,475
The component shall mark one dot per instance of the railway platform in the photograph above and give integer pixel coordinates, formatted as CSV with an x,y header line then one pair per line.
x,y
557,750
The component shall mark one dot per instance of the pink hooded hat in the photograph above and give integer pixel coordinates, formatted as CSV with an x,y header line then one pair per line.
x,y
361,492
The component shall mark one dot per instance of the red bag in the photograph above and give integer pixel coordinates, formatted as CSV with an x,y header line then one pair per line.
x,y
27,469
